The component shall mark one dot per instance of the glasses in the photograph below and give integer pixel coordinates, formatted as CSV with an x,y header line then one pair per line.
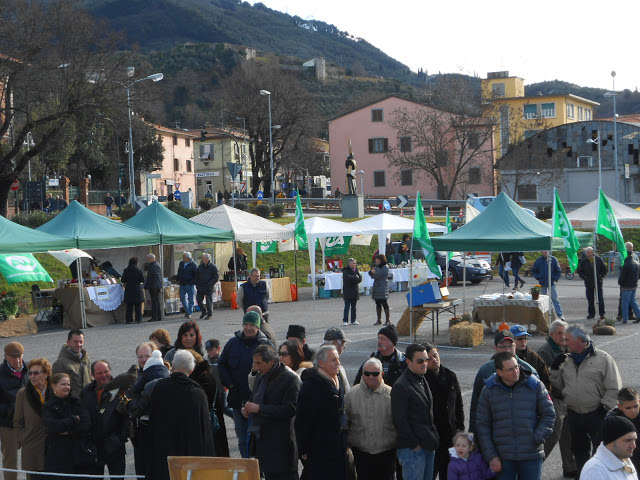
x,y
371,374
34,372
421,360
283,354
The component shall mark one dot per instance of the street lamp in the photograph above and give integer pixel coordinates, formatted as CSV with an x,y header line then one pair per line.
x,y
597,142
29,143
615,132
273,191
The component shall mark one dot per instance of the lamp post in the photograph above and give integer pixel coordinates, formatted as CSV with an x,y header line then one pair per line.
x,y
29,143
597,142
615,135
273,191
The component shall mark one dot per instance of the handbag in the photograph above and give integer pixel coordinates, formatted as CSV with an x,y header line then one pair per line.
x,y
213,418
522,259
507,267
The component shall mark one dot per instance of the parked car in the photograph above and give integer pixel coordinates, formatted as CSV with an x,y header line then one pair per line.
x,y
477,269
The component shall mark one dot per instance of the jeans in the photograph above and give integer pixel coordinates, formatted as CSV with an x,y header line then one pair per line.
x,y
416,464
629,300
585,434
186,297
522,470
241,424
554,299
349,304
516,277
589,290
503,274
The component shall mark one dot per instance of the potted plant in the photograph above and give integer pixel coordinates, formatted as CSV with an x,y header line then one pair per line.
x,y
535,292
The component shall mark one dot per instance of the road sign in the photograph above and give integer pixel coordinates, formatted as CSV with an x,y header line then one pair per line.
x,y
15,185
177,194
177,185
402,201
260,195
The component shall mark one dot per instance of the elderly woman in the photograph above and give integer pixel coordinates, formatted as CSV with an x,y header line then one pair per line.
x,y
133,280
189,337
67,425
27,419
380,291
291,354
162,340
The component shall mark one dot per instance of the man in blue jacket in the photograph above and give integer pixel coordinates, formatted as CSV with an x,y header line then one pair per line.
x,y
187,281
540,272
515,417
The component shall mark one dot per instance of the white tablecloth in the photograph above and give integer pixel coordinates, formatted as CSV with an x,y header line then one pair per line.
x,y
106,297
333,281
499,300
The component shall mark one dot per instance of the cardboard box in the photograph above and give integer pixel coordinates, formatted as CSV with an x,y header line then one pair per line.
x,y
171,292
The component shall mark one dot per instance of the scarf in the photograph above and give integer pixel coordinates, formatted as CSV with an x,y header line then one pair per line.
x,y
578,358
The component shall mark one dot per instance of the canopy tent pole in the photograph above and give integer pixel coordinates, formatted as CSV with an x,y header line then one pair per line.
x,y
411,291
161,254
235,266
311,248
83,314
295,264
254,247
464,282
549,284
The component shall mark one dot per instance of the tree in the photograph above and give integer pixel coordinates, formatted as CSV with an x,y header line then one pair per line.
x,y
293,108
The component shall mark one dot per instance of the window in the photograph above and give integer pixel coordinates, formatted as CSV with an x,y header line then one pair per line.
x,y
376,115
580,114
527,192
188,165
406,177
176,165
497,89
442,158
530,111
379,179
236,151
587,114
206,152
378,145
548,110
474,175
570,110
405,144
187,142
175,140
474,140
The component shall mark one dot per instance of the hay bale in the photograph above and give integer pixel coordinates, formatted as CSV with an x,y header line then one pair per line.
x,y
18,326
466,334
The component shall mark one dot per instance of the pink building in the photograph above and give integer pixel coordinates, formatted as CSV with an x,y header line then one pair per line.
x,y
371,134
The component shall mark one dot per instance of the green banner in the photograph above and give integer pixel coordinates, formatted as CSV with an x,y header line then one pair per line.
x,y
336,245
267,247
22,268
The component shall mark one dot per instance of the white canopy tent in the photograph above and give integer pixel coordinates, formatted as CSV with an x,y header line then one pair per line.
x,y
384,224
585,216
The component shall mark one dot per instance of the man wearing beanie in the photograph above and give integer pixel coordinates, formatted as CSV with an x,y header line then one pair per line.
x,y
393,361
234,365
612,459
299,334
13,376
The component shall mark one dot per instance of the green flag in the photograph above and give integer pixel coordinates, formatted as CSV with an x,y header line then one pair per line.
x,y
421,235
448,227
267,247
22,268
337,245
563,229
607,225
300,231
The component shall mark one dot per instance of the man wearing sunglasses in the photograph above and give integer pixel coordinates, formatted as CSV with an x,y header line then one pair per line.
x,y
371,434
412,410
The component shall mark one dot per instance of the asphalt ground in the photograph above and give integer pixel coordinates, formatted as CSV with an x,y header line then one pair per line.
x,y
116,343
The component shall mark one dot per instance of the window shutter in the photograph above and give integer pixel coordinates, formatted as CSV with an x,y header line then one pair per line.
x,y
371,145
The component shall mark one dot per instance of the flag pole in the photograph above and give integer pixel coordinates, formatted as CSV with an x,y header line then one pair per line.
x,y
550,256
411,290
295,265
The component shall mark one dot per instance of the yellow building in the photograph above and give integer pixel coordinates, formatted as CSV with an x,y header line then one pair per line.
x,y
518,116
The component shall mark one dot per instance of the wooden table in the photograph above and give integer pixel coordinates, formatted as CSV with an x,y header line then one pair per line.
x,y
422,313
493,309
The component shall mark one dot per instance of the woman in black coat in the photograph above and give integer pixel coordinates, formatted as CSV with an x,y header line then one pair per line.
x,y
133,281
351,279
67,425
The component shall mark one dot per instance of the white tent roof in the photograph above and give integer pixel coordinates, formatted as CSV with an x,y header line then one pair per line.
x,y
245,226
585,216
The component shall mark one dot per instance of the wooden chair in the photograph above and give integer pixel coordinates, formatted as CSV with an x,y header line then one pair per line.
x,y
213,468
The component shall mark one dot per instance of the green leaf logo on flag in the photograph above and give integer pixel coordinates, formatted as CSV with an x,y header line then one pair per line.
x,y
562,228
300,231
607,225
421,235
22,268
337,245
266,247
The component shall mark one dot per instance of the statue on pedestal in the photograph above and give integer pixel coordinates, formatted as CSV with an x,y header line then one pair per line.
x,y
351,167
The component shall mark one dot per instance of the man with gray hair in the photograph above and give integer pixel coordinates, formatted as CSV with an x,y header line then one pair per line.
x,y
153,283
206,279
180,423
371,433
254,292
588,379
592,268
628,281
187,280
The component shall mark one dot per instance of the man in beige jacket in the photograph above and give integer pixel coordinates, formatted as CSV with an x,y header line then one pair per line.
x,y
371,434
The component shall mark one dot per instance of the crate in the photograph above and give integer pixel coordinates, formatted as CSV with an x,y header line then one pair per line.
x,y
171,306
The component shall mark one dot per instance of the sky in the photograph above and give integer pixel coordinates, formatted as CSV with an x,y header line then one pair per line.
x,y
580,42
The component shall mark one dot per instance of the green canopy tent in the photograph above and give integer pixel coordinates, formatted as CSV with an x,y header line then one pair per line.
x,y
16,238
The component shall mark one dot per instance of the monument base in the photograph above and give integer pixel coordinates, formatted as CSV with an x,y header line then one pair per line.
x,y
352,206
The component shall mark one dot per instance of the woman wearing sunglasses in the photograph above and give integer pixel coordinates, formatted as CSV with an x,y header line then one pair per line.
x,y
292,355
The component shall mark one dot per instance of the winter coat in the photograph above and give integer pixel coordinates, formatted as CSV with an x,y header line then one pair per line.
x,y
133,280
515,260
540,271
206,277
235,363
605,465
549,351
369,419
380,289
448,412
592,385
188,433
412,408
154,276
9,386
472,468
208,378
513,422
635,457
533,359
67,425
187,273
31,434
257,294
350,283
78,369
320,426
273,431
628,279
392,367
168,357
240,264
585,270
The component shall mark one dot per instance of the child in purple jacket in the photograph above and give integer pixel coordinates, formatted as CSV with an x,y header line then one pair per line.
x,y
466,463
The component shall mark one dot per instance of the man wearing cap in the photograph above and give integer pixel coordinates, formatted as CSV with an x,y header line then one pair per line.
x,y
335,336
393,361
74,361
213,348
234,365
13,376
299,334
612,459
532,358
504,341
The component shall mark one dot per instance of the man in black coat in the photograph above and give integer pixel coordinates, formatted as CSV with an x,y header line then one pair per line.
x,y
109,427
271,411
206,278
393,360
13,376
351,279
586,272
154,285
180,422
412,410
448,412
